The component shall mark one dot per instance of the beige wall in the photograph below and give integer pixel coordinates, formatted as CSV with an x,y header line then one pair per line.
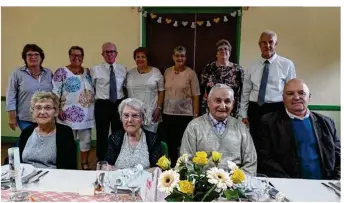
x,y
55,30
308,36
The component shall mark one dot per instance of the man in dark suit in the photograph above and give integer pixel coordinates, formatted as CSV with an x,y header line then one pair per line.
x,y
297,143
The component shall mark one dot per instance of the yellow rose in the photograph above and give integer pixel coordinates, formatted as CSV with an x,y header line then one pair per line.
x,y
216,156
200,161
201,154
186,187
164,163
238,176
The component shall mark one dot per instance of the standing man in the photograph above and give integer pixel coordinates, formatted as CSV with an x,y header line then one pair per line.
x,y
264,83
108,79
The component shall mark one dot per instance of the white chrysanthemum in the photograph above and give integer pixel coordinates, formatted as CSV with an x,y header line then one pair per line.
x,y
168,180
182,160
220,178
232,166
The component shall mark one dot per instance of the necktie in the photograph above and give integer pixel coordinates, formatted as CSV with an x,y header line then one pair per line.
x,y
263,83
113,87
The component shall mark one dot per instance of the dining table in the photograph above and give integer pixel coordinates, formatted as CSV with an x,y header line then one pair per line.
x,y
77,186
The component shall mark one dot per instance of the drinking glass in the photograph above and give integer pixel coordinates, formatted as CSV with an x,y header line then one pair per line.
x,y
133,182
102,169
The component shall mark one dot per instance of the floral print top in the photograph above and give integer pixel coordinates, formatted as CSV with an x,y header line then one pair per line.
x,y
76,94
232,76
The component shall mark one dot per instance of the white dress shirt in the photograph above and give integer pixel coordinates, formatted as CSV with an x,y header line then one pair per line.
x,y
281,70
101,79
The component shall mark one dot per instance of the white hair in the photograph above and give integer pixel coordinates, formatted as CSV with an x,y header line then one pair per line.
x,y
268,33
133,103
222,86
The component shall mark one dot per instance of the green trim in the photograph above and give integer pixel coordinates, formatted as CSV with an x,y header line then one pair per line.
x,y
144,32
188,10
324,107
3,98
238,37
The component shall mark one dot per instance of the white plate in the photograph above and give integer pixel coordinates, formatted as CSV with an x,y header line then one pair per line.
x,y
28,170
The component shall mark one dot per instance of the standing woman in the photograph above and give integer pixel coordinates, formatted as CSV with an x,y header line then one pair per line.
x,y
225,72
74,87
181,101
25,82
146,83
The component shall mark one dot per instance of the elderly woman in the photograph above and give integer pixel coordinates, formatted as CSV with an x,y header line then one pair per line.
x,y
134,145
224,72
47,144
146,83
181,100
23,83
73,85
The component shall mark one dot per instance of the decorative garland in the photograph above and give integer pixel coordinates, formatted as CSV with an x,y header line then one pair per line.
x,y
186,23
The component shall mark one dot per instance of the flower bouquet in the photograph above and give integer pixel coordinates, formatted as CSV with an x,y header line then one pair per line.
x,y
196,180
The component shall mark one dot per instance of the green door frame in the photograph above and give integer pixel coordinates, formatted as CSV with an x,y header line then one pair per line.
x,y
186,10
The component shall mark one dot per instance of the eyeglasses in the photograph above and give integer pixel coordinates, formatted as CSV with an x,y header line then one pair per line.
x,y
76,55
46,108
179,55
126,116
110,51
31,55
223,49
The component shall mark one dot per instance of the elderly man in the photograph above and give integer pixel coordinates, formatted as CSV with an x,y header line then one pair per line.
x,y
108,80
264,82
297,143
218,131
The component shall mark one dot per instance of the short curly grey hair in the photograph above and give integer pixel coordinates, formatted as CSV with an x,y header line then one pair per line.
x,y
133,103
222,86
41,95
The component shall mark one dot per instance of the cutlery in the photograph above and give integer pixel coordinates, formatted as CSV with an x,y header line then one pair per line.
x,y
32,176
4,173
40,176
334,185
22,173
335,191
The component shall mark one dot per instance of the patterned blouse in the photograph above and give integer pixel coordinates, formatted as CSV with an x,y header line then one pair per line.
x,y
232,76
76,94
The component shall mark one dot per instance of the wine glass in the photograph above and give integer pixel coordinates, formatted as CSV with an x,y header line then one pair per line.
x,y
259,185
133,182
114,180
102,169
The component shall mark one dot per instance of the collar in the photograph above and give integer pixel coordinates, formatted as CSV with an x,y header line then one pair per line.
x,y
271,59
108,65
25,68
215,122
292,116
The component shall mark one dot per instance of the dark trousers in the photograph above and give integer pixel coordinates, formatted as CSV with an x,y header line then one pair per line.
x,y
174,128
255,113
105,113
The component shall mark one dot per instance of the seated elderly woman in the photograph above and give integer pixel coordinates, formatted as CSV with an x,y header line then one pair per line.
x,y
134,145
47,144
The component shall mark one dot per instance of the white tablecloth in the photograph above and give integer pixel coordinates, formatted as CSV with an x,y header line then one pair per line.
x,y
297,190
301,190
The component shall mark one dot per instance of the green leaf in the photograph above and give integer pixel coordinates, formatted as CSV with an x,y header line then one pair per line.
x,y
231,194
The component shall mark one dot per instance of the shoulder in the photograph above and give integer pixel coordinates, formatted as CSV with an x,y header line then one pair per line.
x,y
199,121
117,134
47,70
18,70
273,117
156,70
150,135
132,71
28,131
322,117
122,67
95,67
168,70
63,129
283,59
